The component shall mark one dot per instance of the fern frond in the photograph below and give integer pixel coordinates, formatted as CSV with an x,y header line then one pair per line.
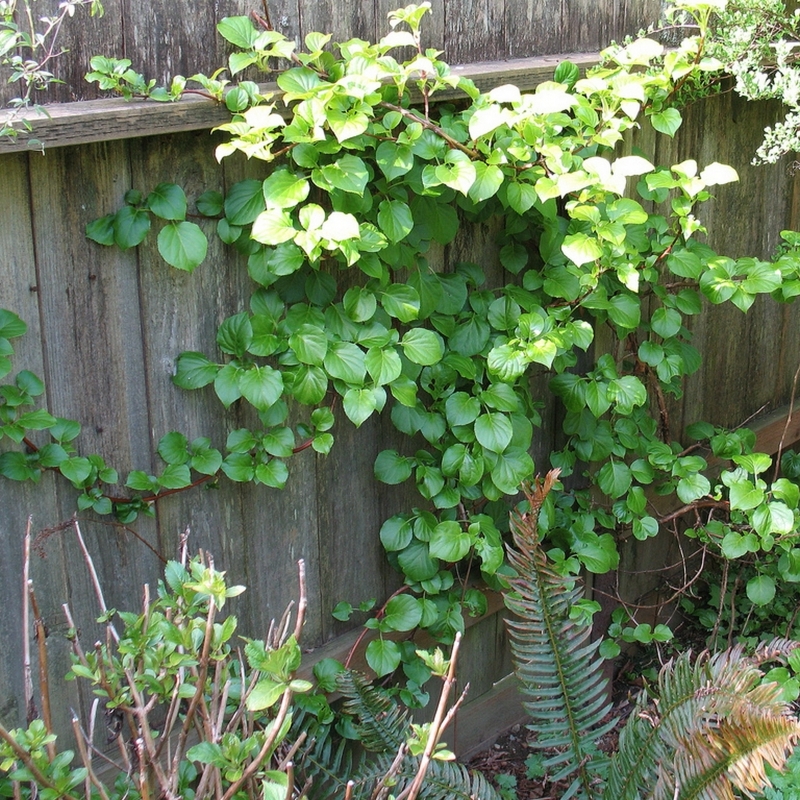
x,y
709,766
326,759
381,724
711,726
558,667
444,780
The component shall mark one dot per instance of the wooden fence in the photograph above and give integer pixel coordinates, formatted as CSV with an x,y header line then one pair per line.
x,y
105,327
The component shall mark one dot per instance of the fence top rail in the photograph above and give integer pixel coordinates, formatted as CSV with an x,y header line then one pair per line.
x,y
88,121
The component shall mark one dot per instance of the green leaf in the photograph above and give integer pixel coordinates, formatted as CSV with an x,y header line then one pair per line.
x,y
182,245
744,495
168,201
239,467
358,405
14,466
395,220
206,461
614,478
284,189
210,204
76,469
692,488
274,473
194,370
226,385
625,311
175,476
511,469
422,346
349,173
667,121
239,31
261,386
488,179
494,431
450,542
392,468
761,590
581,249
310,344
346,361
666,322
754,463
396,533
11,326
393,159
265,694
383,656
401,301
627,393
235,334
383,364
644,528
416,562
462,409
244,202
174,448
402,613
102,230
273,227
308,384
38,420
457,171
131,225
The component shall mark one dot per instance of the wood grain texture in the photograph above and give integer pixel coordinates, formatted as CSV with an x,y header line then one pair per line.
x,y
91,332
19,292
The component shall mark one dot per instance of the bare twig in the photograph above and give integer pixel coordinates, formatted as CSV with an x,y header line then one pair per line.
x,y
91,777
286,700
98,589
440,721
44,686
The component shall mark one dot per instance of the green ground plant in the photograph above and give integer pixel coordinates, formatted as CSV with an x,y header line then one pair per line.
x,y
193,710
365,178
707,728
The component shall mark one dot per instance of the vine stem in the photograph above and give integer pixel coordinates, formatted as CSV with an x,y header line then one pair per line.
x,y
724,504
378,615
426,123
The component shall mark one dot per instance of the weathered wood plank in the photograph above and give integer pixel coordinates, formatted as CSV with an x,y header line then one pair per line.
x,y
474,30
19,293
92,337
352,20
109,119
483,720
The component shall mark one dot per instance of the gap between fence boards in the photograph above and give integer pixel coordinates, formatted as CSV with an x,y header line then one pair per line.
x,y
87,121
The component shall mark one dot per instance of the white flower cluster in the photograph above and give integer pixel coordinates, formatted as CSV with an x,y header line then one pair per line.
x,y
757,40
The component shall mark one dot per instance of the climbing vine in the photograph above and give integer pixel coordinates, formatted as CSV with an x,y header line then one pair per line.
x,y
365,174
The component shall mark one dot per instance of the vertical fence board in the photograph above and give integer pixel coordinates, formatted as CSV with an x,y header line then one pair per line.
x,y
92,337
19,292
